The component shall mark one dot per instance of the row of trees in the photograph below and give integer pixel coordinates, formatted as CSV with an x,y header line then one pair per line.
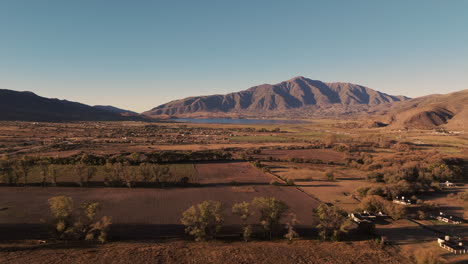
x,y
203,221
14,172
130,158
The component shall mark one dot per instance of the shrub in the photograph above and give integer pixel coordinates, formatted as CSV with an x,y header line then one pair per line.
x,y
290,182
330,175
375,177
70,223
274,182
271,213
362,191
204,220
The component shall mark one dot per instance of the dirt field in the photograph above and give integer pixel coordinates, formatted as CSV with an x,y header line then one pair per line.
x,y
311,179
212,252
151,212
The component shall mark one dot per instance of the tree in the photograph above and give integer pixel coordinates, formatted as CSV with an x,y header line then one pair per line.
x,y
203,221
123,170
53,171
6,170
113,176
70,223
80,171
119,174
375,204
244,211
332,222
271,213
44,169
22,168
146,171
290,223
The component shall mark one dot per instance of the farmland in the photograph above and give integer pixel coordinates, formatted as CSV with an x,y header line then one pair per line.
x,y
303,165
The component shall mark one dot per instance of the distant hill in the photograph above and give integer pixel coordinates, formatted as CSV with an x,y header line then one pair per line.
x,y
27,106
447,110
116,110
298,97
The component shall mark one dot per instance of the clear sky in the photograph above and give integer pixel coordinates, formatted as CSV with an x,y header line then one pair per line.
x,y
137,54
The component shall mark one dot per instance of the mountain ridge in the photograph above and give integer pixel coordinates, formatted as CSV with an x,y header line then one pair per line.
x,y
292,94
28,106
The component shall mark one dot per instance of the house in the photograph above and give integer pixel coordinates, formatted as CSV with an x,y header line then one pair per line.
x,y
451,219
447,184
363,217
456,246
403,201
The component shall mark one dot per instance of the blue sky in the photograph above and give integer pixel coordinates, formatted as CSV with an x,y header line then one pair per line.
x,y
138,54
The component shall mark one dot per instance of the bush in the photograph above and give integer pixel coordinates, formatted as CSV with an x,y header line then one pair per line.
x,y
290,182
271,213
375,177
203,221
330,175
70,223
274,182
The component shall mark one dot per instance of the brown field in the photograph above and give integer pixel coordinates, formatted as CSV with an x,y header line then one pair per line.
x,y
153,212
212,252
311,179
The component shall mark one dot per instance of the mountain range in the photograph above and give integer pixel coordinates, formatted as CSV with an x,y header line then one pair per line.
x,y
296,98
291,96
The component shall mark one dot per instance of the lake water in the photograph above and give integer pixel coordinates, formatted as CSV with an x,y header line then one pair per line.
x,y
238,121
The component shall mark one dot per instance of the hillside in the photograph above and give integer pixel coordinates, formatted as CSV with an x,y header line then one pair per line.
x,y
116,110
311,96
449,111
27,106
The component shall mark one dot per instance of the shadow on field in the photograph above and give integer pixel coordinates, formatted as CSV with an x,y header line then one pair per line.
x,y
142,185
317,185
120,232
57,245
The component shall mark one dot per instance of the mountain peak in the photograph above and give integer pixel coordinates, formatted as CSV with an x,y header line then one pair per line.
x,y
298,78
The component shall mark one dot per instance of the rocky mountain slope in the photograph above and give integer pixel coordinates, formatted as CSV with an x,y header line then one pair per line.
x,y
288,97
